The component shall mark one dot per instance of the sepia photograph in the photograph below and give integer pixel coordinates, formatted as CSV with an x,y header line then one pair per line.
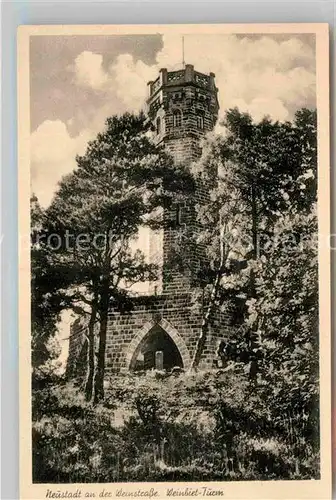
x,y
174,298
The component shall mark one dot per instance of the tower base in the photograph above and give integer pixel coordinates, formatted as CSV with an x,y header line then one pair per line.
x,y
160,332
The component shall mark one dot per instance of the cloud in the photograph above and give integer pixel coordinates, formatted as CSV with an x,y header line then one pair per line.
x,y
52,153
130,80
259,74
88,70
262,75
263,106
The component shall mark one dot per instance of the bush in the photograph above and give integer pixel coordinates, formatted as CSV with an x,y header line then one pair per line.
x,y
197,427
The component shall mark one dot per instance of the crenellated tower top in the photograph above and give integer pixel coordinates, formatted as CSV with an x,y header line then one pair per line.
x,y
182,104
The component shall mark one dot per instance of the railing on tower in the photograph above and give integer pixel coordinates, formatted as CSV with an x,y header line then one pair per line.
x,y
175,76
155,86
188,74
201,79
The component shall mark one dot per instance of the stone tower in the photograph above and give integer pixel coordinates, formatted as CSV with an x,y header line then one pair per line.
x,y
161,331
183,107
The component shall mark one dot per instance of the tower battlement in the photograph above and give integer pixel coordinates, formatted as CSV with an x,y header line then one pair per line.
x,y
183,107
185,76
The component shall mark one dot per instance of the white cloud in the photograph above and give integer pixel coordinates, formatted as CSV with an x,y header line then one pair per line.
x,y
260,107
130,80
89,70
259,74
52,153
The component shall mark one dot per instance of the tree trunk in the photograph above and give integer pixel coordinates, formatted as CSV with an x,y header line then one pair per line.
x,y
254,221
256,253
213,297
91,360
255,248
205,324
100,371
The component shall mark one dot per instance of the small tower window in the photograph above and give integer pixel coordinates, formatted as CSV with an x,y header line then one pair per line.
x,y
158,125
200,121
176,215
177,118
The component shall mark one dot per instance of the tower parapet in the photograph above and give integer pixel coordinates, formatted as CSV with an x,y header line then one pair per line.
x,y
182,105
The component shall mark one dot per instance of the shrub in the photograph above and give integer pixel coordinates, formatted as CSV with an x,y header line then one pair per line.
x,y
197,427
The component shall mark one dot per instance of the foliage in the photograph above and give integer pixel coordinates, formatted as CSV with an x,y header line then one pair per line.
x,y
264,170
266,178
204,426
47,301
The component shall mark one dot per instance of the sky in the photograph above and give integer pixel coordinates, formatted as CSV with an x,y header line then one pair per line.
x,y
76,82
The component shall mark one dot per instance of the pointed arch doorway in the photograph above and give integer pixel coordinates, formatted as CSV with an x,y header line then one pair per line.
x,y
157,345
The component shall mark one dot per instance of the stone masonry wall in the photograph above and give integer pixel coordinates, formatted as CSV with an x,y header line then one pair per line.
x,y
178,317
176,314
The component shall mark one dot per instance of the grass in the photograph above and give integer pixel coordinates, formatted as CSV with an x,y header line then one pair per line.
x,y
199,427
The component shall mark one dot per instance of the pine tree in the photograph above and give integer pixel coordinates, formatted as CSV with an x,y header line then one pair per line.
x,y
117,187
264,170
47,299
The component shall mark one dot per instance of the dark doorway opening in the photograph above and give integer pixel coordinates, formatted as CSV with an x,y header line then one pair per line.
x,y
156,350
